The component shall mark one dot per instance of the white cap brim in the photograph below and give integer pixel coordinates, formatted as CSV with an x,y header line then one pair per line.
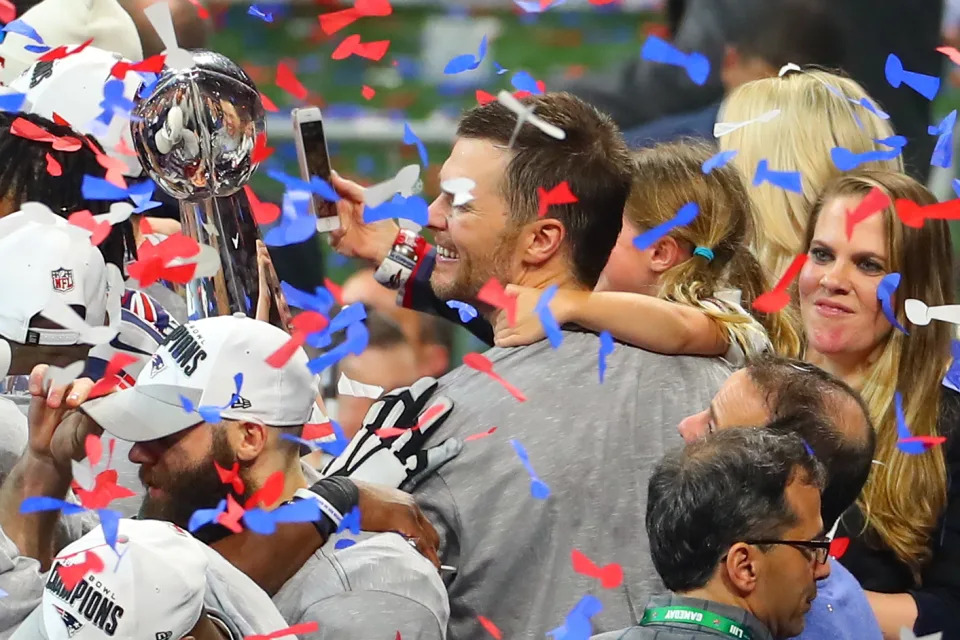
x,y
133,415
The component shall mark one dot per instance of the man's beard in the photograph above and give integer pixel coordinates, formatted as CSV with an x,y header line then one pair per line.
x,y
199,487
474,272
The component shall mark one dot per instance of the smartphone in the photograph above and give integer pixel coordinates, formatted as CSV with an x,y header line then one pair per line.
x,y
314,161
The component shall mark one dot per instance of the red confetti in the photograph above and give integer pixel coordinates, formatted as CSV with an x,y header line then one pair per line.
x,y
838,547
951,53
8,12
600,3
268,104
153,260
428,415
287,81
490,627
610,576
778,298
330,23
153,64
560,194
369,50
927,441
268,494
485,98
26,129
263,212
260,149
913,215
111,376
303,627
201,10
335,290
317,430
493,294
64,52
231,477
373,7
54,168
105,491
368,92
231,517
304,324
85,220
123,149
72,574
482,364
94,448
873,202
145,228
480,436
115,168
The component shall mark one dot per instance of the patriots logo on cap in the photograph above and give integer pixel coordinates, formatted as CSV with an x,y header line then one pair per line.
x,y
69,621
157,364
62,280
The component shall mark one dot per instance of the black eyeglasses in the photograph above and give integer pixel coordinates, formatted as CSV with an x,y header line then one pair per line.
x,y
818,547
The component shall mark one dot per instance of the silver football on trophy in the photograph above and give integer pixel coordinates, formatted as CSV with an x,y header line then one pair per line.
x,y
195,133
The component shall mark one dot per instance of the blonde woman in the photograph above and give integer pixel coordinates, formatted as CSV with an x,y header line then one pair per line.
x,y
818,111
698,278
905,528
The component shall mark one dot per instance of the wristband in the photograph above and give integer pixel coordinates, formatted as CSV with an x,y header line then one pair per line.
x,y
402,261
335,496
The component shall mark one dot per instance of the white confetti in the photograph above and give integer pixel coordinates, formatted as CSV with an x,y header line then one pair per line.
x,y
160,17
920,314
62,376
460,189
403,183
6,356
721,129
525,114
83,474
348,387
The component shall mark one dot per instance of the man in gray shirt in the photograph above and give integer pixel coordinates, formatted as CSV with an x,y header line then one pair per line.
x,y
592,445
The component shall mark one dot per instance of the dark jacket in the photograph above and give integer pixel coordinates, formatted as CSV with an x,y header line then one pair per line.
x,y
878,569
681,631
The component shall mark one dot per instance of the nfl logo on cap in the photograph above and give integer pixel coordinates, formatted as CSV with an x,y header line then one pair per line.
x,y
62,280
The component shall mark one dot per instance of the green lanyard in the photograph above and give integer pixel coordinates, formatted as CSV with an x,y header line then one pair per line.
x,y
696,617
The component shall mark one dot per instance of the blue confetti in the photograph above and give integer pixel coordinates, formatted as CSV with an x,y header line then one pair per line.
x,y
114,102
259,521
467,61
323,189
925,85
538,488
12,101
296,224
344,543
109,522
523,81
142,195
696,64
255,12
186,404
577,625
45,503
94,188
320,300
202,517
789,180
500,70
351,522
903,432
956,186
409,137
550,326
606,348
719,160
885,290
20,27
943,151
847,160
209,414
467,312
413,208
952,379
685,216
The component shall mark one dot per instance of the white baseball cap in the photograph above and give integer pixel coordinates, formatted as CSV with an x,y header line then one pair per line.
x,y
152,587
43,257
73,88
199,361
71,22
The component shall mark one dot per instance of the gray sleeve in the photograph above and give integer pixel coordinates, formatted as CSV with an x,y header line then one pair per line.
x,y
372,615
434,497
31,629
22,582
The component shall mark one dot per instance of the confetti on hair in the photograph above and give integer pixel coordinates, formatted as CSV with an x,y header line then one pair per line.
x,y
559,194
777,298
872,203
719,160
721,129
885,290
913,215
787,180
905,441
687,214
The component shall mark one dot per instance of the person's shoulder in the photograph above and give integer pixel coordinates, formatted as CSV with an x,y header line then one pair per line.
x,y
690,124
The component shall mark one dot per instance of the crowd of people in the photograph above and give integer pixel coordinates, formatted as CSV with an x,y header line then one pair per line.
x,y
705,411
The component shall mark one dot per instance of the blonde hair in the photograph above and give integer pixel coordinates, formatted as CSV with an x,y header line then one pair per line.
x,y
905,496
813,120
669,176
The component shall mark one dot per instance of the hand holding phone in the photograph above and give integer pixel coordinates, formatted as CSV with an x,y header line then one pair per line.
x,y
314,160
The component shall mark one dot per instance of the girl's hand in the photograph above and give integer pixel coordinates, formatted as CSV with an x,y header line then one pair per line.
x,y
528,328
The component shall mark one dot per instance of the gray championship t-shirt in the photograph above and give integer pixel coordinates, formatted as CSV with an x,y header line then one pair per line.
x,y
594,445
377,588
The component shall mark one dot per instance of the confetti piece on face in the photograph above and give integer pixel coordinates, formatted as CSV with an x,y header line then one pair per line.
x,y
913,215
409,137
778,298
490,627
480,436
538,488
885,290
943,151
687,214
231,477
526,114
353,46
550,326
719,160
838,547
257,13
610,576
268,494
348,387
788,180
368,92
482,364
872,203
606,348
721,129
466,311
467,61
903,432
460,189
695,64
560,194
493,294
925,85
288,81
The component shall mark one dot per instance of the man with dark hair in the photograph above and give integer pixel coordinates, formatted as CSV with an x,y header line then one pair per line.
x,y
563,425
835,424
797,31
735,533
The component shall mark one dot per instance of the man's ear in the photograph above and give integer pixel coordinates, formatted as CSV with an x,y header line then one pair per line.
x,y
248,439
666,253
742,566
542,240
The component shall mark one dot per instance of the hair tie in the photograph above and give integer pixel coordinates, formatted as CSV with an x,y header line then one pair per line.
x,y
704,252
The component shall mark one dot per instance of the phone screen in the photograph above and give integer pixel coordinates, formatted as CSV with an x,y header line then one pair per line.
x,y
318,162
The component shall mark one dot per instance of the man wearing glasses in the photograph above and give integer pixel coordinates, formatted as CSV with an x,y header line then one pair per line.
x,y
736,536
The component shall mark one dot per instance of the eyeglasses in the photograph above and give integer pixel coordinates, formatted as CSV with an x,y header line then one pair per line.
x,y
818,547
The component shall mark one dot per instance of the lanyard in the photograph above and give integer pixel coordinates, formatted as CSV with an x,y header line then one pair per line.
x,y
696,617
